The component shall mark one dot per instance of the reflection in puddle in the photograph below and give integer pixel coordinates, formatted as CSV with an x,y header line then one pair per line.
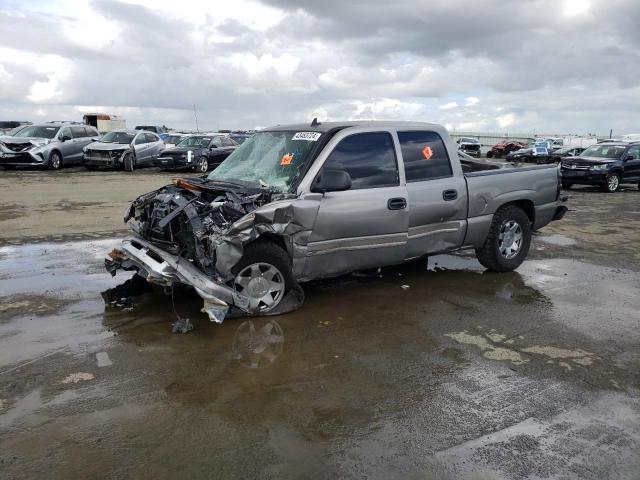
x,y
257,343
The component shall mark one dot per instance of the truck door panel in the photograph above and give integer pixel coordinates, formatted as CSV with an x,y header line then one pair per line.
x,y
365,226
437,197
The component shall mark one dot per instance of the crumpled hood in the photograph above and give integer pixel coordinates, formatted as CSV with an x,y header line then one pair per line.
x,y
108,147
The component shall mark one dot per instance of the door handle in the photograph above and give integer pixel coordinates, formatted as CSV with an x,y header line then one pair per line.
x,y
449,195
398,203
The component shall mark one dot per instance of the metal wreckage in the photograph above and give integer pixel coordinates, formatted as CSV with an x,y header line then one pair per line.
x,y
195,231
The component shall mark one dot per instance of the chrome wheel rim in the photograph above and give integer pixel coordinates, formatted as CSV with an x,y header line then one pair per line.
x,y
55,161
510,239
613,182
203,165
262,283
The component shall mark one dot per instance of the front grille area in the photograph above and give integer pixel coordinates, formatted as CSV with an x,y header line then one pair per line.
x,y
17,147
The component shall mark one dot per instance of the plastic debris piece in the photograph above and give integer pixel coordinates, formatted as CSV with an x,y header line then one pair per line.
x,y
182,325
405,287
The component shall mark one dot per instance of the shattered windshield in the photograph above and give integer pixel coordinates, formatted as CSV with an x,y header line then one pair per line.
x,y
37,132
604,151
195,142
117,137
272,159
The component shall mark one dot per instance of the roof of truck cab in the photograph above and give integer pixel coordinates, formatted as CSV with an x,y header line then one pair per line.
x,y
326,126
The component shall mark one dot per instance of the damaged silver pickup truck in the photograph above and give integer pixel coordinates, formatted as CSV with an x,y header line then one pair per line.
x,y
301,202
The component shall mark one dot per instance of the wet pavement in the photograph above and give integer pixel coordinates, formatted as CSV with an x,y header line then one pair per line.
x,y
516,374
437,370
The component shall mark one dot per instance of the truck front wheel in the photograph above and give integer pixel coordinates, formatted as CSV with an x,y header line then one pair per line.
x,y
508,241
263,275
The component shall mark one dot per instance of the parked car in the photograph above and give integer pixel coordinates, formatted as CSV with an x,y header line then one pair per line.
x,y
240,138
503,148
197,152
159,130
8,125
123,149
300,202
559,153
173,139
606,165
49,145
470,146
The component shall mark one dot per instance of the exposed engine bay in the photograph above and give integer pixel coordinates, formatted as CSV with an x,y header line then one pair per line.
x,y
186,218
194,231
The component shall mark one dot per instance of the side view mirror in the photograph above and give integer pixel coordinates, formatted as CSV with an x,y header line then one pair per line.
x,y
64,138
214,146
629,157
331,181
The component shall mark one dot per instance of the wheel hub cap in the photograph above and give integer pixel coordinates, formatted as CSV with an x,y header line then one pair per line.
x,y
263,283
510,239
258,287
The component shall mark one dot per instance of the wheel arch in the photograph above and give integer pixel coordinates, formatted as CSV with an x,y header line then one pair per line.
x,y
525,205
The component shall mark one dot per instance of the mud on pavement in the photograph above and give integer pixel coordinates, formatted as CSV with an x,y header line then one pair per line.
x,y
421,371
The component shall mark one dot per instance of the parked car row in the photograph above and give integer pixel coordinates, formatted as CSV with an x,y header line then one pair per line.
x,y
56,144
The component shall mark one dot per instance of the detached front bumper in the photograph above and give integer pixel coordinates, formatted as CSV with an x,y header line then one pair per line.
x,y
163,268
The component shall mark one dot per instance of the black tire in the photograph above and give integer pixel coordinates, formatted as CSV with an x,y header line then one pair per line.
x,y
202,165
611,183
567,185
55,161
489,154
128,163
264,251
489,255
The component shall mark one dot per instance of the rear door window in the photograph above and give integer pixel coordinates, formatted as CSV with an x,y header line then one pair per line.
x,y
424,155
369,158
151,137
78,132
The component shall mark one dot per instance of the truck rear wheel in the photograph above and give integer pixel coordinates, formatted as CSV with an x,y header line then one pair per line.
x,y
263,275
508,241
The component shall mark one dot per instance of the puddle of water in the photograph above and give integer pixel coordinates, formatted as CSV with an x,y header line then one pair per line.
x,y
557,239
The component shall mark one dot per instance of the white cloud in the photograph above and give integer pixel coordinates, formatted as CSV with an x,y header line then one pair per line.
x,y
506,120
449,106
471,101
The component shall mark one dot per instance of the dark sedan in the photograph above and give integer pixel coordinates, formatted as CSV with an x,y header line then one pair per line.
x,y
197,152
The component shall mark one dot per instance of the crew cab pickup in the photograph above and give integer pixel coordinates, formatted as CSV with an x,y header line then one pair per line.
x,y
301,202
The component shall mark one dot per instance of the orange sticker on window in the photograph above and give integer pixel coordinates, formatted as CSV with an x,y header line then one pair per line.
x,y
286,159
427,152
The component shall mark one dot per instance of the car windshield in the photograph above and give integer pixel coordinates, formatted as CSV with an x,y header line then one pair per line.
x,y
117,137
37,132
173,139
470,140
272,159
604,151
195,142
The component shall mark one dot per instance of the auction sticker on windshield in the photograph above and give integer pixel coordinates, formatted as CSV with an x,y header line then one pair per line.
x,y
310,136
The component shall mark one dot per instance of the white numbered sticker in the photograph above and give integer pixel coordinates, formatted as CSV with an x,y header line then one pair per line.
x,y
310,136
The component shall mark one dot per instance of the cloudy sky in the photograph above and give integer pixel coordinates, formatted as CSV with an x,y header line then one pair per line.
x,y
542,66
